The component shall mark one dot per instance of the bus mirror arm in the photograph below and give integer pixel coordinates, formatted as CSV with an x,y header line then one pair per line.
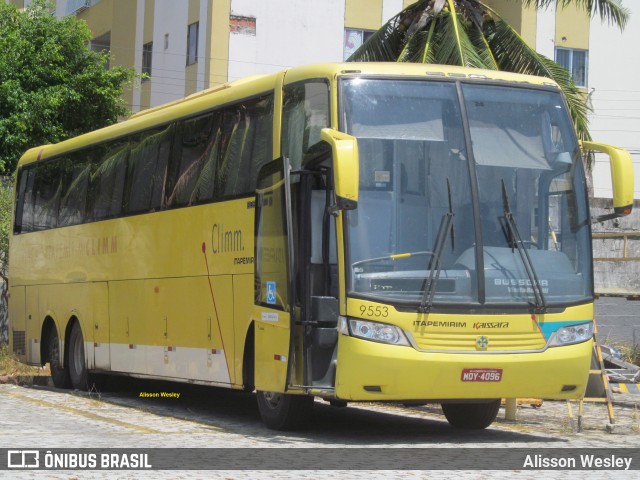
x,y
344,149
621,178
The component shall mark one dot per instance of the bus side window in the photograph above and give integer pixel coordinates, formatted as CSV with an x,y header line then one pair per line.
x,y
248,145
106,188
256,149
46,191
75,181
23,221
235,126
193,161
147,170
305,112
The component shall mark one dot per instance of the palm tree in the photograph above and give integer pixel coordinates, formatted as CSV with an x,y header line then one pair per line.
x,y
472,34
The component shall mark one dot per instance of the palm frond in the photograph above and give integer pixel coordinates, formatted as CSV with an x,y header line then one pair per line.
x,y
203,188
230,150
427,43
453,45
109,165
482,48
418,45
456,31
611,11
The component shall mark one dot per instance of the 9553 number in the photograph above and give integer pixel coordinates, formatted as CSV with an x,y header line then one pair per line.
x,y
378,311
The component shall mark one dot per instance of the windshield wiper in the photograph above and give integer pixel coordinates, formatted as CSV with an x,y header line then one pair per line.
x,y
515,241
435,265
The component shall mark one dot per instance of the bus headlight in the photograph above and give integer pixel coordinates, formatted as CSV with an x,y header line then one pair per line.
x,y
571,334
377,332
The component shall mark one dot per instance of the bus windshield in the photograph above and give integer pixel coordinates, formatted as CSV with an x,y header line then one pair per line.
x,y
437,224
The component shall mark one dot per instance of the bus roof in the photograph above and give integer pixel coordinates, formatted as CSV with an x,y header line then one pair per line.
x,y
256,85
331,70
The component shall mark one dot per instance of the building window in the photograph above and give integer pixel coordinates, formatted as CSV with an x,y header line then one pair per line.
x,y
192,43
147,56
576,61
353,39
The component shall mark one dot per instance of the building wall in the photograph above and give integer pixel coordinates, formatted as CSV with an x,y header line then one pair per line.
x,y
615,94
365,14
391,8
309,32
217,47
524,20
117,19
572,28
546,31
168,73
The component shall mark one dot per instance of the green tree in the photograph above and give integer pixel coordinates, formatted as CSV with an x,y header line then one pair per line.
x,y
52,86
6,201
472,34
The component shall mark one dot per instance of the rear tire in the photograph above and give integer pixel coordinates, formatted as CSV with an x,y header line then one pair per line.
x,y
281,411
475,416
77,366
59,373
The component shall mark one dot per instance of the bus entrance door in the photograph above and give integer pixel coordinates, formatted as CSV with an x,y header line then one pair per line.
x,y
273,317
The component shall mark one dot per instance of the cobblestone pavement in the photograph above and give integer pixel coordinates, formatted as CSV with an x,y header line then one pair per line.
x,y
36,417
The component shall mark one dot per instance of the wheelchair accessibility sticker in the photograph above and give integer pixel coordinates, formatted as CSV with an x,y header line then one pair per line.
x,y
271,293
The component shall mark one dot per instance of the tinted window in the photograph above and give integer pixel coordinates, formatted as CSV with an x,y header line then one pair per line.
x,y
46,196
305,113
200,159
24,203
148,160
194,147
76,172
247,145
106,187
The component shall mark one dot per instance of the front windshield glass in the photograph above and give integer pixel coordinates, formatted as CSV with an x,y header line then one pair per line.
x,y
413,170
415,177
527,159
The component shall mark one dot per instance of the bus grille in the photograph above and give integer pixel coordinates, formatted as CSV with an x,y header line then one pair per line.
x,y
468,341
19,343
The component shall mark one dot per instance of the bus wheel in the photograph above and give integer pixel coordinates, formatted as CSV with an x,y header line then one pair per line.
x,y
280,411
471,415
59,373
77,366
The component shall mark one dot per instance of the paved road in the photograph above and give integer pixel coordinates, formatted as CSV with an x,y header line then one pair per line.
x,y
206,417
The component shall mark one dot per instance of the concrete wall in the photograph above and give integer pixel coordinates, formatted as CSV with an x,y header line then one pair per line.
x,y
616,258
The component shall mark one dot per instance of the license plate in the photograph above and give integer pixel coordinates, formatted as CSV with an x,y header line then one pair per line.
x,y
481,375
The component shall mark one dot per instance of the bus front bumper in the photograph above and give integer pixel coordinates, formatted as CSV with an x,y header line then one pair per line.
x,y
369,371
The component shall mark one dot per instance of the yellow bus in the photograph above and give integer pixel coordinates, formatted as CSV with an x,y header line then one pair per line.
x,y
354,232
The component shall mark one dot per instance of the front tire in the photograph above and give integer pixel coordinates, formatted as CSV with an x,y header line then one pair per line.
x,y
77,366
281,411
475,416
59,373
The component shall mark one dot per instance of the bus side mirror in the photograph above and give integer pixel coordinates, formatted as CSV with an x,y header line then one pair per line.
x,y
345,167
621,177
